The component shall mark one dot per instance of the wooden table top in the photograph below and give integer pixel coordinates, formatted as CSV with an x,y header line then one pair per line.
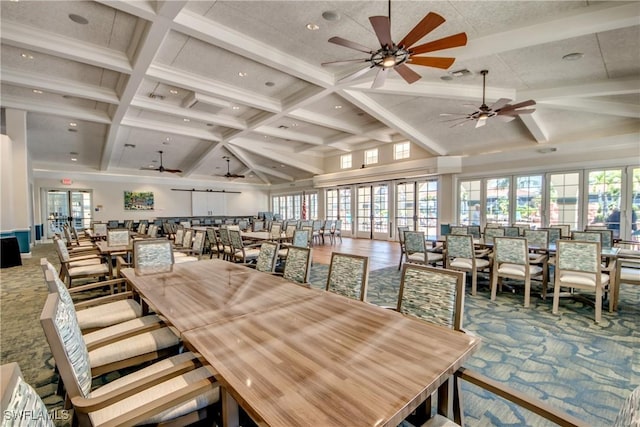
x,y
330,361
259,235
200,293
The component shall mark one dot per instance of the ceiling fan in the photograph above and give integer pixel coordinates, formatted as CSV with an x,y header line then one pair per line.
x,y
161,168
396,56
500,109
229,174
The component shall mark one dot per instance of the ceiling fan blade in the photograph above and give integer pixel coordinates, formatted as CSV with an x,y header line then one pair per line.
x,y
148,169
424,27
172,170
407,73
528,103
459,124
516,113
430,61
455,40
481,122
355,75
380,78
382,26
452,114
499,104
324,64
352,45
505,118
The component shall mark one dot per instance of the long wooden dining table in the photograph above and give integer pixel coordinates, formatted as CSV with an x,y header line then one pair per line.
x,y
296,356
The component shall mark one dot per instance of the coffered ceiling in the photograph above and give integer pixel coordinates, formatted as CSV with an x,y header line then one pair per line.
x,y
117,81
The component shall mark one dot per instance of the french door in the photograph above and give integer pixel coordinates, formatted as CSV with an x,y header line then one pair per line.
x,y
420,216
67,207
372,212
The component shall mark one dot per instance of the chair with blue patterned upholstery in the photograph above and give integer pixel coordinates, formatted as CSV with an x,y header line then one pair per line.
x,y
416,251
578,266
459,230
511,260
474,230
432,294
401,231
461,256
297,266
242,253
538,243
267,257
491,232
348,275
166,390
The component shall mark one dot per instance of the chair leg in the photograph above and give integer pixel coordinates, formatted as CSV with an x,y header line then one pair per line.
x,y
527,292
474,282
556,296
494,284
598,304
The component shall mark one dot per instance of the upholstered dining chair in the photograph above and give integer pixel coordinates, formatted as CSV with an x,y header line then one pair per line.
x,y
73,242
491,232
587,236
538,243
565,229
435,295
511,231
461,256
266,260
100,229
178,237
166,390
511,260
298,264
215,245
578,266
627,272
300,239
416,251
474,230
401,231
459,230
348,275
257,226
197,247
276,232
242,253
155,256
91,267
97,312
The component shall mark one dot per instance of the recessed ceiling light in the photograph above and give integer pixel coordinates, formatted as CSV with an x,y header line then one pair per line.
x,y
547,150
26,55
173,92
269,84
337,107
186,120
312,27
330,15
266,136
294,124
38,91
242,74
282,166
73,124
235,107
78,19
168,138
74,159
573,56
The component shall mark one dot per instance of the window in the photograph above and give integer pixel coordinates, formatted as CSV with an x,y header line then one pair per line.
x,y
529,200
290,206
469,193
564,192
339,206
345,161
428,208
401,150
371,156
497,201
405,204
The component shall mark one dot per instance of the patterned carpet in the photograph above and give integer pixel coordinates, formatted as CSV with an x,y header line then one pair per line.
x,y
584,368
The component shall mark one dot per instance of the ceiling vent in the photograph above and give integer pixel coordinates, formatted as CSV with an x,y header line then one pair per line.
x,y
129,146
283,127
154,95
205,103
461,73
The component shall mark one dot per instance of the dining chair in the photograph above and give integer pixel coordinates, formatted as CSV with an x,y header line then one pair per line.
x,y
73,241
522,228
317,236
178,237
21,404
491,232
337,230
197,247
100,229
86,267
416,251
538,243
511,261
461,256
459,230
98,310
166,390
215,246
565,229
511,231
276,232
266,260
257,226
474,230
242,253
578,266
435,295
348,275
300,239
587,236
156,256
298,264
401,231
627,272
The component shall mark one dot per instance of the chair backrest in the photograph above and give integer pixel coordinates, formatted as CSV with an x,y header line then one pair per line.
x,y
198,242
522,228
460,246
474,230
459,230
491,232
309,231
187,240
301,238
67,345
554,234
290,230
414,242
606,238
236,239
224,237
537,238
100,229
595,227
317,225
113,223
179,236
511,231
118,237
258,225
61,249
348,275
185,224
276,230
128,224
55,285
630,410
153,231
21,405
565,229
578,255
67,234
401,231
338,225
432,294
298,264
152,256
586,236
142,227
266,260
512,250
243,224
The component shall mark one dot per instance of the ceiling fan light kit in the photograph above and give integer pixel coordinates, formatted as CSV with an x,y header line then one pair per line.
x,y
162,168
396,56
229,174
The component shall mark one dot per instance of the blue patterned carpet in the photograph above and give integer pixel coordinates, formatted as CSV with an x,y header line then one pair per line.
x,y
569,361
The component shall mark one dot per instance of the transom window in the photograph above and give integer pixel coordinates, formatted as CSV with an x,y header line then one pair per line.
x,y
345,161
371,156
401,150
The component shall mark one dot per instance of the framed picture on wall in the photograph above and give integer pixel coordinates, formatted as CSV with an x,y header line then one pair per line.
x,y
138,200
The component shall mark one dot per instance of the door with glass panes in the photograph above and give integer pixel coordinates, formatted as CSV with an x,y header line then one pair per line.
x,y
372,211
71,207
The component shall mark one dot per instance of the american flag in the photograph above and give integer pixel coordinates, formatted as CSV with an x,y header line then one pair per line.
x,y
303,215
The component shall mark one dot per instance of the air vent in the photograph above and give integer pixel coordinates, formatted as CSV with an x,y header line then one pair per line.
x,y
460,73
283,127
129,146
153,95
72,130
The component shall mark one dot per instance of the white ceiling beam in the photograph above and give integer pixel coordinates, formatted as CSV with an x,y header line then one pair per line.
x,y
240,155
586,90
39,40
584,21
267,150
325,121
146,50
173,110
58,85
598,107
288,134
142,9
169,128
54,109
392,120
535,126
273,172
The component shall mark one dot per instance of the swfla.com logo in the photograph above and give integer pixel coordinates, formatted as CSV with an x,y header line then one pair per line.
x,y
55,415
